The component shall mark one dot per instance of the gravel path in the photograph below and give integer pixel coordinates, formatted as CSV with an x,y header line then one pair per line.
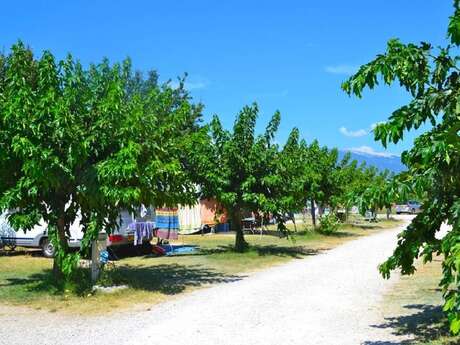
x,y
331,298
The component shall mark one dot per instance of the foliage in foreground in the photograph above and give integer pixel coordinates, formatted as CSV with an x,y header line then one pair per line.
x,y
81,144
431,77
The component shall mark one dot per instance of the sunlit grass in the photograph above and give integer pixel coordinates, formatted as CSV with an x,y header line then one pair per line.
x,y
414,307
26,279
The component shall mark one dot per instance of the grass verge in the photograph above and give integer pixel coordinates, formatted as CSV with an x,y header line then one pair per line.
x,y
26,280
413,308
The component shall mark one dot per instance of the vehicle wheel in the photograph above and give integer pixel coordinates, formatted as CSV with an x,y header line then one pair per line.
x,y
47,248
9,246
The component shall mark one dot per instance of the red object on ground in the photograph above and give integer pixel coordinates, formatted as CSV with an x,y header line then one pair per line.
x,y
116,238
158,250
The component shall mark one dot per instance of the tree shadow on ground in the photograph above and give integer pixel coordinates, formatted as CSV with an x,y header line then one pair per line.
x,y
366,226
426,323
340,234
21,251
296,252
43,282
168,279
337,234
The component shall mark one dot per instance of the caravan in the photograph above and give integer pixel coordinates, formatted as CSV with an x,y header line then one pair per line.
x,y
38,236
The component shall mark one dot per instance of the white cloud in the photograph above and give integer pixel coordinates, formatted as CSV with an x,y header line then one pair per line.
x,y
353,134
342,69
370,151
360,132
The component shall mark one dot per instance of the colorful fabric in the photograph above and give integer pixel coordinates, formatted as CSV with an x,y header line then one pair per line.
x,y
142,230
178,249
167,223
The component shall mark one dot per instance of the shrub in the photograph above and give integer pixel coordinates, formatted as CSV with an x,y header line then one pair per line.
x,y
329,223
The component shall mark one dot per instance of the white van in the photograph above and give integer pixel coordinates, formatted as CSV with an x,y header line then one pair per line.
x,y
38,236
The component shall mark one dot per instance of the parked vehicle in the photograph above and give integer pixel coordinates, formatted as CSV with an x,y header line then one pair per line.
x,y
410,207
38,236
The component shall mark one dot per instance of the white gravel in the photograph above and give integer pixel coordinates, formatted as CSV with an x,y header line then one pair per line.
x,y
331,298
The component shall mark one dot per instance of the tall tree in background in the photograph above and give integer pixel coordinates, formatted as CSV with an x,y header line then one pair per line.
x,y
431,77
380,191
78,143
330,175
236,166
289,181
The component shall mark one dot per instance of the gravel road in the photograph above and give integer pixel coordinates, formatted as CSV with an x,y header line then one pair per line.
x,y
331,298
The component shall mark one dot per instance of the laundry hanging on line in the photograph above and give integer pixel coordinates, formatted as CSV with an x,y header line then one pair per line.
x,y
167,223
142,230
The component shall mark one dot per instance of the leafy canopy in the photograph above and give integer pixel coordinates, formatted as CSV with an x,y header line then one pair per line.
x,y
86,143
248,172
431,77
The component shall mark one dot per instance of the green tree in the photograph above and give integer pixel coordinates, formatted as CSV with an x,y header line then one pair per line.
x,y
86,143
356,179
289,182
381,191
431,77
238,167
330,176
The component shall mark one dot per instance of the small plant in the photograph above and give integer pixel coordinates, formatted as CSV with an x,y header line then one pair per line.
x,y
329,224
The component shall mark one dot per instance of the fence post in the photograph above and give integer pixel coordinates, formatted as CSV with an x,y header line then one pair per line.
x,y
97,247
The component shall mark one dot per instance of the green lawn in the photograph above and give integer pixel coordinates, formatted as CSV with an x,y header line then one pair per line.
x,y
25,277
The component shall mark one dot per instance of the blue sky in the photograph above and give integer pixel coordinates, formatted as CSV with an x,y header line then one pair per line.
x,y
285,55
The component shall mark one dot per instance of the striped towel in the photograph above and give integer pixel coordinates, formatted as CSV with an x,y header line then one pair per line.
x,y
167,223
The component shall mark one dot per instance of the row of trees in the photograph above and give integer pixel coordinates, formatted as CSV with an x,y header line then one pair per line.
x,y
250,172
87,143
91,142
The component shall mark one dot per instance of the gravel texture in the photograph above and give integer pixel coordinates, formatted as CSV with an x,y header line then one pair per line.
x,y
331,298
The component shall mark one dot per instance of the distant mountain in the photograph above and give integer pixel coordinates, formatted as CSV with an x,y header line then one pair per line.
x,y
379,160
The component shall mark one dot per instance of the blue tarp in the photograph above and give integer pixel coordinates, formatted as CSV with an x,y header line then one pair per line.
x,y
179,249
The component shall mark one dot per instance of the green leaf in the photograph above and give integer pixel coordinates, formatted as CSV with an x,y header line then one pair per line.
x,y
455,326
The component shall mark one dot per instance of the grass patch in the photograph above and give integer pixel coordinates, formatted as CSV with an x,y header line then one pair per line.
x,y
413,307
26,277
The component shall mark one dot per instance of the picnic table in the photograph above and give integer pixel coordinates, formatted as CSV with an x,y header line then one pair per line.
x,y
249,224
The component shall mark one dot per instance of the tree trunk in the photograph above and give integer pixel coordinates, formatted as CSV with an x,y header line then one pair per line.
x,y
240,242
62,247
313,213
388,212
57,273
293,221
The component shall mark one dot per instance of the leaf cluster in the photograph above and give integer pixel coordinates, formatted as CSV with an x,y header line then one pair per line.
x,y
431,76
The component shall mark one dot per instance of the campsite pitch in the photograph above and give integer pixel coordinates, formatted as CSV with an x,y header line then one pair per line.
x,y
330,298
26,279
